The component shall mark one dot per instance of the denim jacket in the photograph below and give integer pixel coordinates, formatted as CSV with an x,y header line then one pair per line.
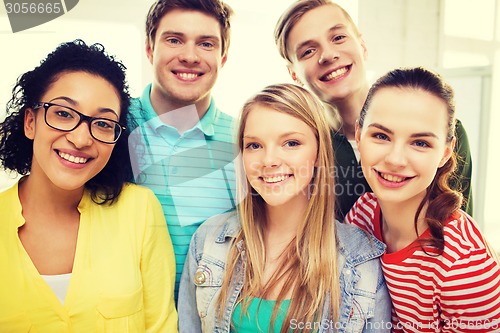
x,y
365,305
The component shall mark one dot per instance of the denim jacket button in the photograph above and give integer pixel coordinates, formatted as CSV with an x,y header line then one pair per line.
x,y
199,278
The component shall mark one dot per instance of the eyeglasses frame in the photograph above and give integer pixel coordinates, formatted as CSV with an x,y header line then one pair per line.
x,y
87,119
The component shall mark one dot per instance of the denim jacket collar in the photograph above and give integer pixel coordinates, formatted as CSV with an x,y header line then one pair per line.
x,y
230,229
350,250
357,253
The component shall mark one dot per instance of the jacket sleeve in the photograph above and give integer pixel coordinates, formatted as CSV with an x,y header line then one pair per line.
x,y
158,272
462,180
189,320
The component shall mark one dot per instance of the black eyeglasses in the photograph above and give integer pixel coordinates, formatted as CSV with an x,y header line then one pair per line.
x,y
66,119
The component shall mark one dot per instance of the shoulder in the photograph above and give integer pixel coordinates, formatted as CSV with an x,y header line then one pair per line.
x,y
224,117
465,248
461,134
8,193
135,107
357,245
140,108
220,227
214,237
223,120
365,209
461,233
10,206
368,200
9,197
136,115
136,207
459,127
136,200
467,266
136,193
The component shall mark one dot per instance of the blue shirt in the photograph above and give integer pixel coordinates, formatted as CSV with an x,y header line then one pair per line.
x,y
258,316
365,305
191,174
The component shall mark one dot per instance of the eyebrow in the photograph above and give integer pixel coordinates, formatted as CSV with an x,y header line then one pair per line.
x,y
74,104
414,135
181,34
310,41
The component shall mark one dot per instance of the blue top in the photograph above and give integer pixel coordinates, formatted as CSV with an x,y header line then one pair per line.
x,y
258,317
365,305
191,174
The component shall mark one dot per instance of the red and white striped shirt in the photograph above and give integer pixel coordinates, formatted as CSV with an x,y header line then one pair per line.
x,y
458,291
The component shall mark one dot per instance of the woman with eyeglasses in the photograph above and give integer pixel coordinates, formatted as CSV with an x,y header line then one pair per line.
x,y
81,250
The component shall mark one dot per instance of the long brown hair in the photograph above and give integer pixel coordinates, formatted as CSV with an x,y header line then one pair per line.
x,y
442,200
309,263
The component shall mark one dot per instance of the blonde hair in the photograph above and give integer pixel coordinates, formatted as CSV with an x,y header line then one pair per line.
x,y
293,14
309,262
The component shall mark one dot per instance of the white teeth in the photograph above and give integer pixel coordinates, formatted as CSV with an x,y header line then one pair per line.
x,y
187,76
275,179
392,178
336,74
73,159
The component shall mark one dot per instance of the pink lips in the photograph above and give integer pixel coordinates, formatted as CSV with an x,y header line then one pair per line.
x,y
276,183
70,164
391,184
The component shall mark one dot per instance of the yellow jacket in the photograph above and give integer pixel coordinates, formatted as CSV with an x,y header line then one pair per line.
x,y
123,273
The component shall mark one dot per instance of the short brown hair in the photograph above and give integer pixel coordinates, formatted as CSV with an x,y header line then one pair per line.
x,y
215,8
293,14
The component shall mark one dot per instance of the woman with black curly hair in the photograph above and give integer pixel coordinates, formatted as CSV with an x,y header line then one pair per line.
x,y
82,250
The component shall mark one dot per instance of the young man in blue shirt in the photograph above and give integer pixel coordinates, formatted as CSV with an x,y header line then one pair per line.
x,y
181,145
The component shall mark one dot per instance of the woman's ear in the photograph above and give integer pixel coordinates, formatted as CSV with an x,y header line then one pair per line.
x,y
448,152
29,123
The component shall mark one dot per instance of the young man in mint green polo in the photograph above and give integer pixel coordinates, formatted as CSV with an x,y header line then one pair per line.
x,y
181,144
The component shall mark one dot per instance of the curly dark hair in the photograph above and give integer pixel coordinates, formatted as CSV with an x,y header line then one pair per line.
x,y
16,150
443,200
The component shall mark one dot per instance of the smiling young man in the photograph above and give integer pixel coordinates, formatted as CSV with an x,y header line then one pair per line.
x,y
182,147
325,52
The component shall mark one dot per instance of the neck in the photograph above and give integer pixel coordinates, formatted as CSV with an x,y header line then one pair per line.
x,y
349,109
283,220
46,199
181,115
398,224
280,230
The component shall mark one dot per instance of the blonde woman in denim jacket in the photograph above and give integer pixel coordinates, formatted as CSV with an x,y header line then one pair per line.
x,y
281,263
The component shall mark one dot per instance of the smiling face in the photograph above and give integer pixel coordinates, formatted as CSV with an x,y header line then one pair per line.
x,y
279,155
68,160
186,58
327,54
403,142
